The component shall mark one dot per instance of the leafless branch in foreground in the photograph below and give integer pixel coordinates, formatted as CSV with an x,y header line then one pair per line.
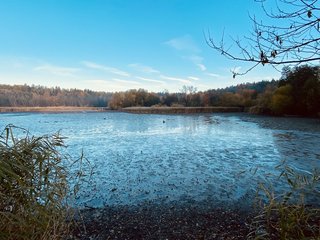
x,y
292,37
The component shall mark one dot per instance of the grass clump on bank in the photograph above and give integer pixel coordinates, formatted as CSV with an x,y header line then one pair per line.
x,y
33,186
292,215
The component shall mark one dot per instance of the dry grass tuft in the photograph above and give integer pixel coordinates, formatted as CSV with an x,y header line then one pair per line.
x,y
289,215
33,186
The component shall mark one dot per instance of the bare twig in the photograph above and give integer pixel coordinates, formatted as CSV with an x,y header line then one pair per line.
x,y
295,39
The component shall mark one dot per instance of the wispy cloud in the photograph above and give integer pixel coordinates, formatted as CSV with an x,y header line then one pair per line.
x,y
107,85
175,79
187,44
201,66
193,78
213,75
143,68
126,81
184,43
196,60
97,81
105,68
150,80
56,70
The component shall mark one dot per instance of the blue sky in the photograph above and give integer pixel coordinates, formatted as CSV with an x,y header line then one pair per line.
x,y
116,45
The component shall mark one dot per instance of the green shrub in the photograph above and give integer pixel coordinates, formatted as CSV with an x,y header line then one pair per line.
x,y
33,186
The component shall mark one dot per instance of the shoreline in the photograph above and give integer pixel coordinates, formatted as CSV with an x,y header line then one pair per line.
x,y
140,110
162,221
58,109
181,110
135,110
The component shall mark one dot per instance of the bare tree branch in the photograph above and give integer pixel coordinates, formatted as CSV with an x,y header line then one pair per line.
x,y
294,39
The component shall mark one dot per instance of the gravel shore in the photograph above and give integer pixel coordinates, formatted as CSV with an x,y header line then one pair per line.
x,y
170,221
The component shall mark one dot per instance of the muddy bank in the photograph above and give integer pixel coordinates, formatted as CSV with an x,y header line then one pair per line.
x,y
181,110
172,221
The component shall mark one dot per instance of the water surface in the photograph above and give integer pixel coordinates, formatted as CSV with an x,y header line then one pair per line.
x,y
209,157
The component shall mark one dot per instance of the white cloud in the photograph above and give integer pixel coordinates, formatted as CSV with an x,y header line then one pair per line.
x,y
150,80
175,79
213,75
105,68
184,43
126,81
143,68
194,78
196,60
97,81
106,85
56,70
201,66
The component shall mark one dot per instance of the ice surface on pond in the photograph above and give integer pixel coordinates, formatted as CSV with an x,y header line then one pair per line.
x,y
216,157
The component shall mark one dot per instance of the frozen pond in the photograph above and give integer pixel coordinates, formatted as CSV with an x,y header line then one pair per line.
x,y
209,157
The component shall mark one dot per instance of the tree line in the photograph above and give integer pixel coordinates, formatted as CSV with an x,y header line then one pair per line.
x,y
297,92
242,95
39,96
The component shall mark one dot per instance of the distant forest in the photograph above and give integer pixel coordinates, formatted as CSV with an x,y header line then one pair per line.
x,y
33,96
39,96
296,93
